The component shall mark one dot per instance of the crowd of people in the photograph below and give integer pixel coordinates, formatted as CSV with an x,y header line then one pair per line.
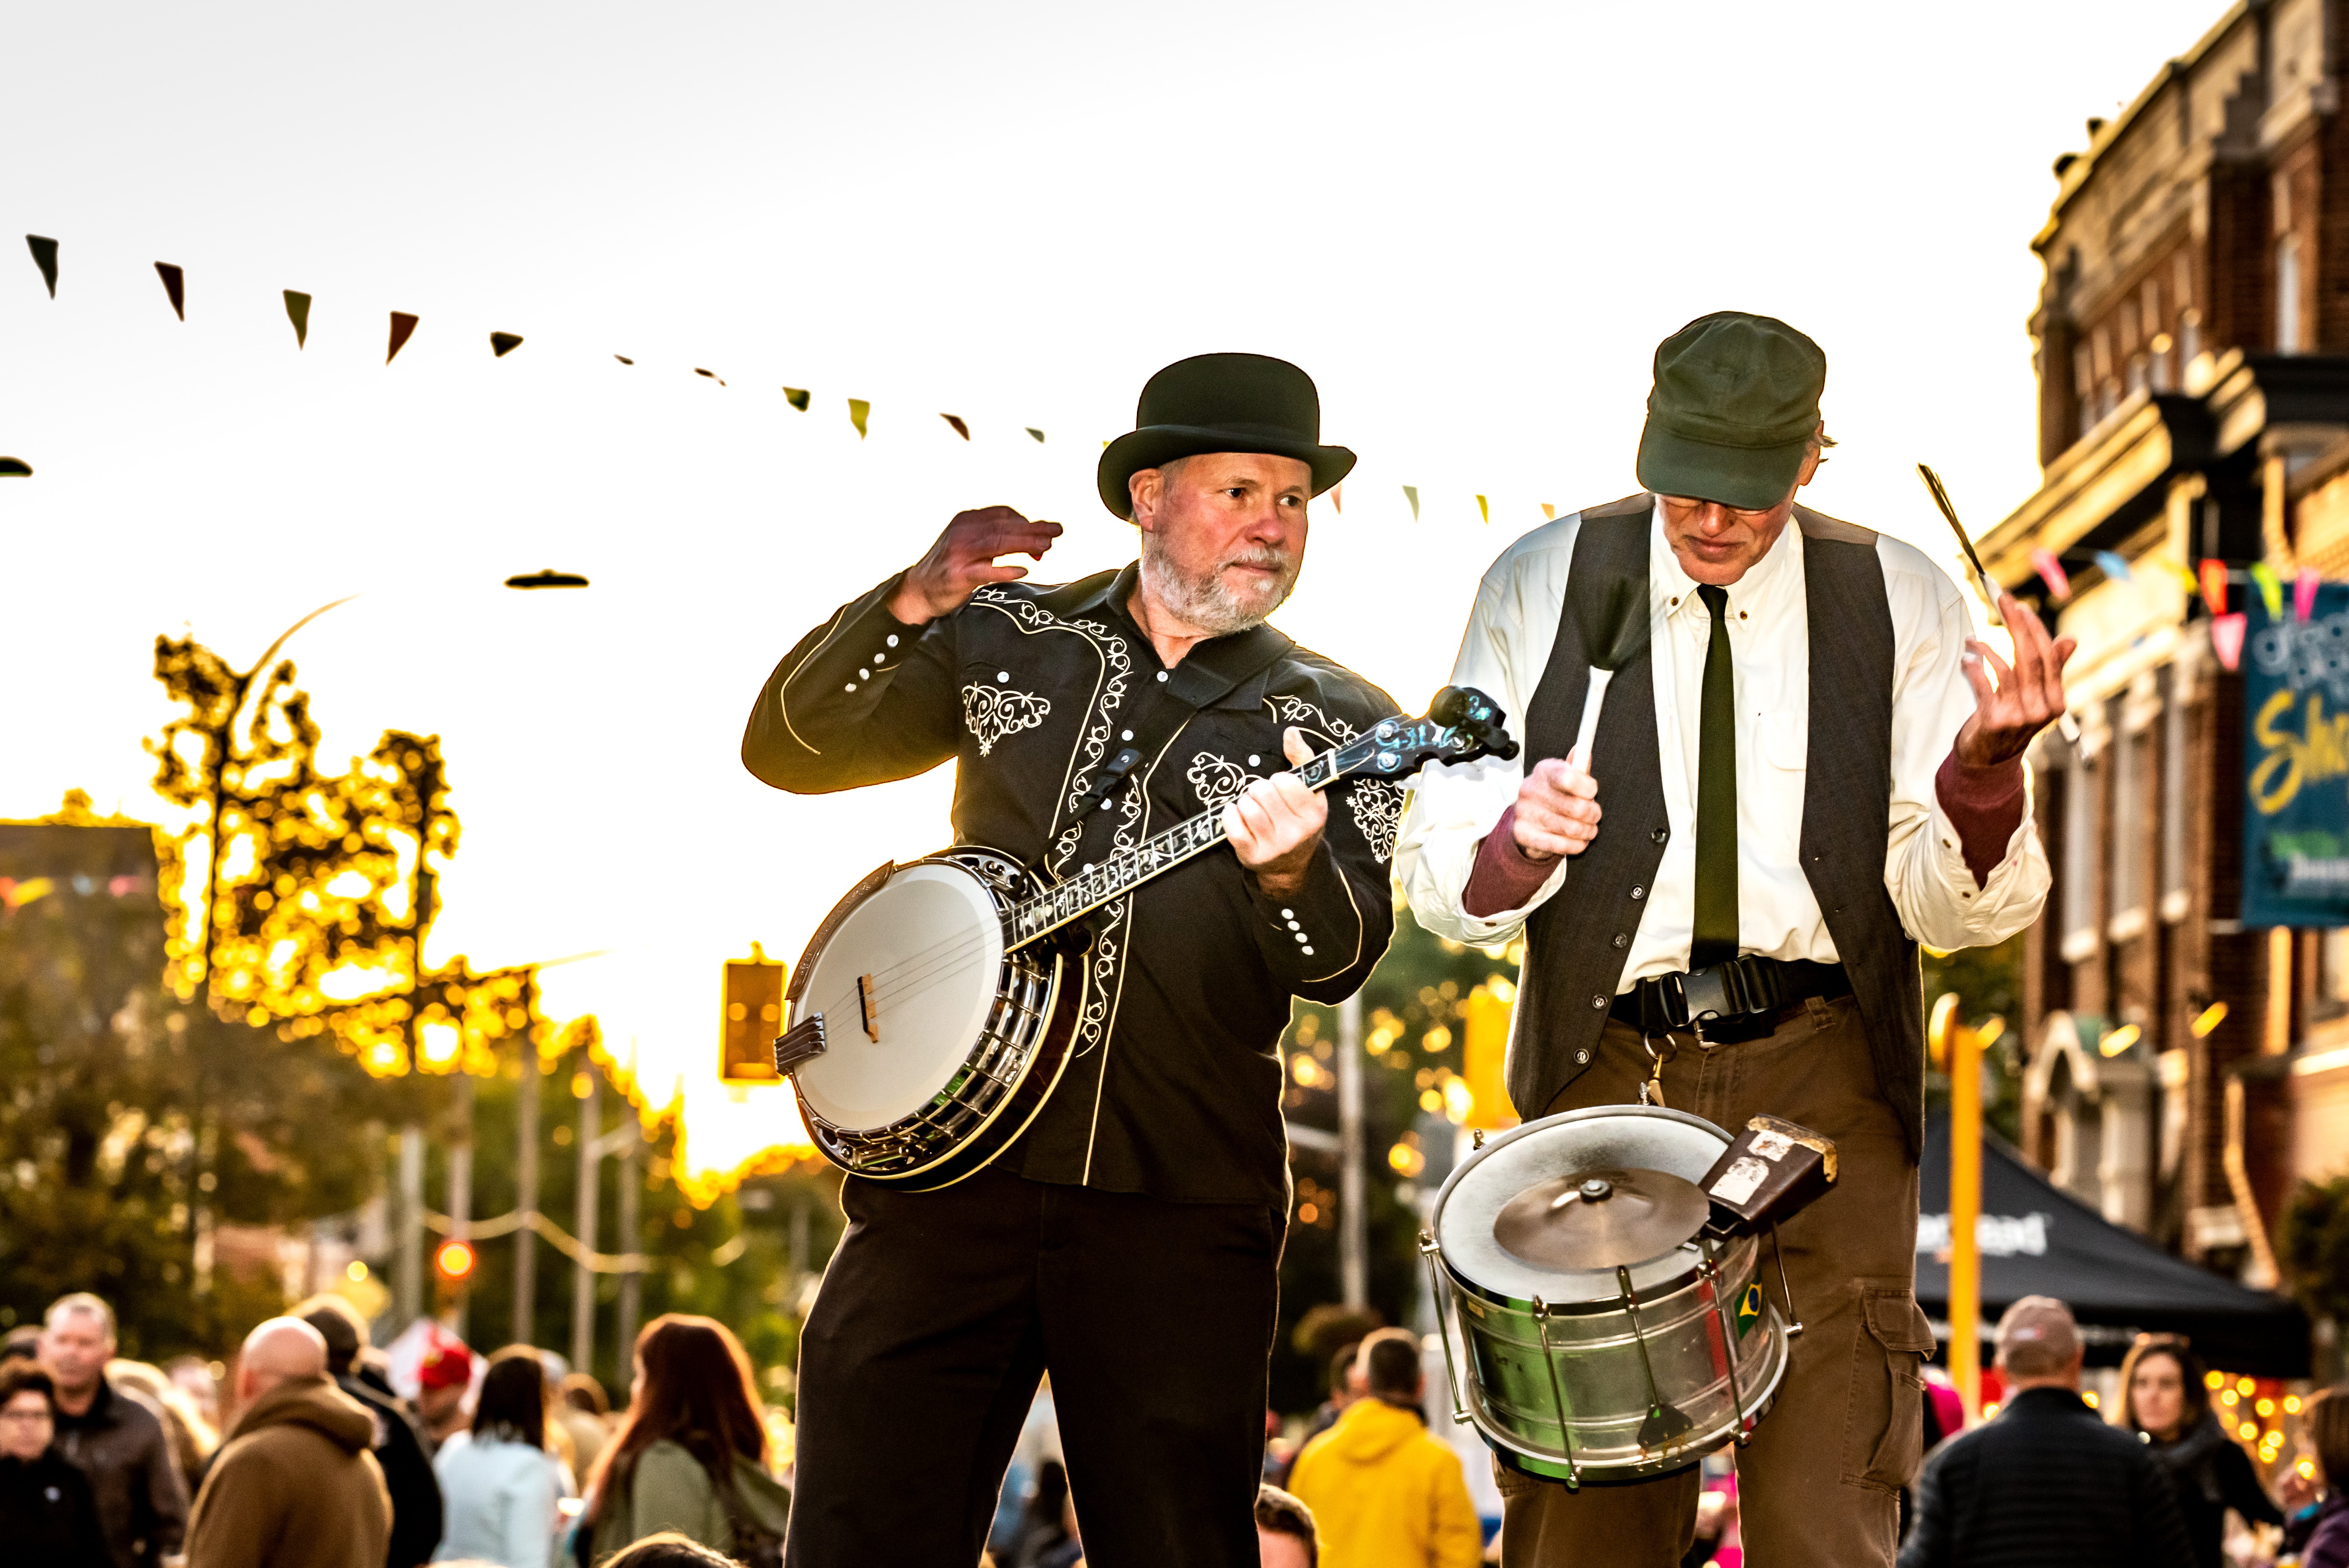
x,y
513,1459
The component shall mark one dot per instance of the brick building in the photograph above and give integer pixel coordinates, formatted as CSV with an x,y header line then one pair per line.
x,y
2192,344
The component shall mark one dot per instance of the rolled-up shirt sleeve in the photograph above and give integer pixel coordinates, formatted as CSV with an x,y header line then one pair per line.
x,y
1940,900
1452,809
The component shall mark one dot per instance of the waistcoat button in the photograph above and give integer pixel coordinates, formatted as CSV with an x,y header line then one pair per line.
x,y
1581,1058
1638,892
1622,940
1599,1002
1659,835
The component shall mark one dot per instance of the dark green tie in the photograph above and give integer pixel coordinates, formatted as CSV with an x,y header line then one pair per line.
x,y
1713,936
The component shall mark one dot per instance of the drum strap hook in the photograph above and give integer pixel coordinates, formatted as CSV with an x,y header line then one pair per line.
x,y
1651,1093
1778,1250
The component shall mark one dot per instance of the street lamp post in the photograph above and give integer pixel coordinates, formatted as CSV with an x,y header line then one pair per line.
x,y
525,1280
1353,1230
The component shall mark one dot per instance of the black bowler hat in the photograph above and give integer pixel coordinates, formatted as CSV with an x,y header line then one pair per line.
x,y
1222,403
1735,404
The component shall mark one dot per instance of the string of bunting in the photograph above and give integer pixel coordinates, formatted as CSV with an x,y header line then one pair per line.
x,y
2210,579
404,326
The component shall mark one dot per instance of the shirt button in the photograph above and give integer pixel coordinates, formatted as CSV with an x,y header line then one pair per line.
x,y
1638,893
1300,936
864,675
1003,675
1307,950
1582,1058
1254,760
850,686
893,639
1598,1003
1289,914
1659,835
1622,940
1125,734
1162,675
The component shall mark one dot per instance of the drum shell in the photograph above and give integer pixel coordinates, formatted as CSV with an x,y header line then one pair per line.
x,y
1513,1353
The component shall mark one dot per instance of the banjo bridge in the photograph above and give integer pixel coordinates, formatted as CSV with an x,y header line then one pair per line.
x,y
868,1003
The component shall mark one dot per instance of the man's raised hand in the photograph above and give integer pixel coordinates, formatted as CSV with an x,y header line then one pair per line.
x,y
2028,696
1557,808
942,581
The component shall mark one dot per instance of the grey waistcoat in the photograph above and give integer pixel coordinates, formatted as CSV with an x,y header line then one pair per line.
x,y
1577,944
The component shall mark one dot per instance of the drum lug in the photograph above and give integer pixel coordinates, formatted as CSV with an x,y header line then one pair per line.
x,y
1435,1291
1476,1138
1795,1324
1557,1395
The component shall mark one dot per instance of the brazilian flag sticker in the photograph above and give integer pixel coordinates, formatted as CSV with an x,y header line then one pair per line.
x,y
1749,1309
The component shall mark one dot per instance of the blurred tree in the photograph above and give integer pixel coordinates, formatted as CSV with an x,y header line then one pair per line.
x,y
1986,980
2312,1244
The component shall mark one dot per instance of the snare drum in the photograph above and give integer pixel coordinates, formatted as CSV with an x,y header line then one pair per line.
x,y
1621,1372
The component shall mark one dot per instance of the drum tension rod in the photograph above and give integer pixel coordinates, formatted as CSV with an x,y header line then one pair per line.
x,y
1709,1266
1778,1250
1557,1395
1435,1293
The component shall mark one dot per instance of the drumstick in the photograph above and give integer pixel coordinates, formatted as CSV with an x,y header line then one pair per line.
x,y
1610,642
2066,724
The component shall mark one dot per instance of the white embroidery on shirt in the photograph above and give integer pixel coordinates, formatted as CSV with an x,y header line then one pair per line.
x,y
991,712
1217,781
1377,806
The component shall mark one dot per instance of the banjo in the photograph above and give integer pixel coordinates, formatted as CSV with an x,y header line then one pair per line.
x,y
931,1014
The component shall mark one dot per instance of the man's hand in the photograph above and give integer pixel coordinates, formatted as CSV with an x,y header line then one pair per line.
x,y
2028,697
1557,808
964,557
1275,824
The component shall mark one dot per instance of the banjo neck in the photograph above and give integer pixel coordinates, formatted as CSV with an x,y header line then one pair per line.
x,y
1072,900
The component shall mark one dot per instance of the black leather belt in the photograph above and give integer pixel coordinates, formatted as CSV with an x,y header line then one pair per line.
x,y
1741,999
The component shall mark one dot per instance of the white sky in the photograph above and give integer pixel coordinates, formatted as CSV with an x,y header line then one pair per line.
x,y
1470,224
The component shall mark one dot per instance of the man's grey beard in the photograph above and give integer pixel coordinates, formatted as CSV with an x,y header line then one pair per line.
x,y
1206,601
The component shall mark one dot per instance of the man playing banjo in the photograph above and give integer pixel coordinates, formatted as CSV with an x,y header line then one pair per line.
x,y
1130,1240
1807,769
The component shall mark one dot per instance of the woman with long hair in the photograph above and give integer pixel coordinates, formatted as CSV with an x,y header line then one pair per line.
x,y
2166,1403
2328,1431
499,1484
690,1455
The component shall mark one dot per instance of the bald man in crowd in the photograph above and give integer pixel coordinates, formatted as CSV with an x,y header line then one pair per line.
x,y
296,1484
2048,1482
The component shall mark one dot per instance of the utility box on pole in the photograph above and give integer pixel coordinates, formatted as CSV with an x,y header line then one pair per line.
x,y
749,1018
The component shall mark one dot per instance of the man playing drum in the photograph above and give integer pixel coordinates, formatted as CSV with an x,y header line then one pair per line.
x,y
1131,1240
1808,768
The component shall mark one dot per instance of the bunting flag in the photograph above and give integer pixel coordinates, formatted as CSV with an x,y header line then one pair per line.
x,y
1549,512
297,311
2304,592
15,467
505,343
2051,572
403,327
45,256
175,285
960,429
711,374
2214,585
2183,575
1411,494
858,408
2227,639
2270,589
1036,433
1484,511
624,359
2113,564
797,397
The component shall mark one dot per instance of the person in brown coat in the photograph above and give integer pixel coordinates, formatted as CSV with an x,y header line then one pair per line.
x,y
296,1484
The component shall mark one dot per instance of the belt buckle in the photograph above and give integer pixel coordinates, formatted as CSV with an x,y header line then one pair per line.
x,y
1705,992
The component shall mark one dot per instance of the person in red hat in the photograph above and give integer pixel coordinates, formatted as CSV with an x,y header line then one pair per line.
x,y
443,1376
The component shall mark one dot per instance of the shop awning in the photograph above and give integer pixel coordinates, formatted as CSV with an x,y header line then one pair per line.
x,y
2038,1239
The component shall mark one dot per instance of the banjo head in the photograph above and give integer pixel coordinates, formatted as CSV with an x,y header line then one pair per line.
x,y
931,940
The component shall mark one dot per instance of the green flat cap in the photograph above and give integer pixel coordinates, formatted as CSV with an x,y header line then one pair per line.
x,y
1735,403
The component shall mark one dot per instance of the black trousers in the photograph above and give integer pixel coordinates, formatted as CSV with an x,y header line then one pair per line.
x,y
939,1313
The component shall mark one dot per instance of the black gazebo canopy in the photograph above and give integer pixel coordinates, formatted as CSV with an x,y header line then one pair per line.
x,y
2038,1239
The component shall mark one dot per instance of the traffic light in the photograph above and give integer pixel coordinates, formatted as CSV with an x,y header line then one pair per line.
x,y
454,1264
752,1018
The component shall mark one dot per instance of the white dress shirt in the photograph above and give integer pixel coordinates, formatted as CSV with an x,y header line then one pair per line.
x,y
1508,648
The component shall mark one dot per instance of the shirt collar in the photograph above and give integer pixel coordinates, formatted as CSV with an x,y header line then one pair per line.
x,y
1231,671
1672,591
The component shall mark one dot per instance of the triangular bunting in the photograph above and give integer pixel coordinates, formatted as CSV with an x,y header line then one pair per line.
x,y
2227,639
2214,585
2304,592
175,285
960,429
297,311
2051,572
1484,509
505,343
45,256
2270,589
797,397
1036,433
403,327
711,374
2113,564
624,359
1411,494
858,408
1549,512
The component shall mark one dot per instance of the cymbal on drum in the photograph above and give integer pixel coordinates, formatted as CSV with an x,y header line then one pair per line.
x,y
1597,1219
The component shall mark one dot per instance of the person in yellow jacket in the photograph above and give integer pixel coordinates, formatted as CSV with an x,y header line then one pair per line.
x,y
1384,1492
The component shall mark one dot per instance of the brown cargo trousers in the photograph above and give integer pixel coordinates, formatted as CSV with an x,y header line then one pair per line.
x,y
1819,1482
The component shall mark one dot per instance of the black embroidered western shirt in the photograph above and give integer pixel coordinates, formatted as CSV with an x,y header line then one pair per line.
x,y
1174,1086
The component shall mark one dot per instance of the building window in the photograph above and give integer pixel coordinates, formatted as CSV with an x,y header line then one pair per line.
x,y
2175,894
2084,389
2132,764
2081,854
2190,340
2140,373
2287,285
2332,1000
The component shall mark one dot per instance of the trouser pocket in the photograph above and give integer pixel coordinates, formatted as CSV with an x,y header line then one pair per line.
x,y
1884,1432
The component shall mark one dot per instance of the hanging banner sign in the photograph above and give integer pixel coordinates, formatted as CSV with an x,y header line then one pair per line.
x,y
2296,763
